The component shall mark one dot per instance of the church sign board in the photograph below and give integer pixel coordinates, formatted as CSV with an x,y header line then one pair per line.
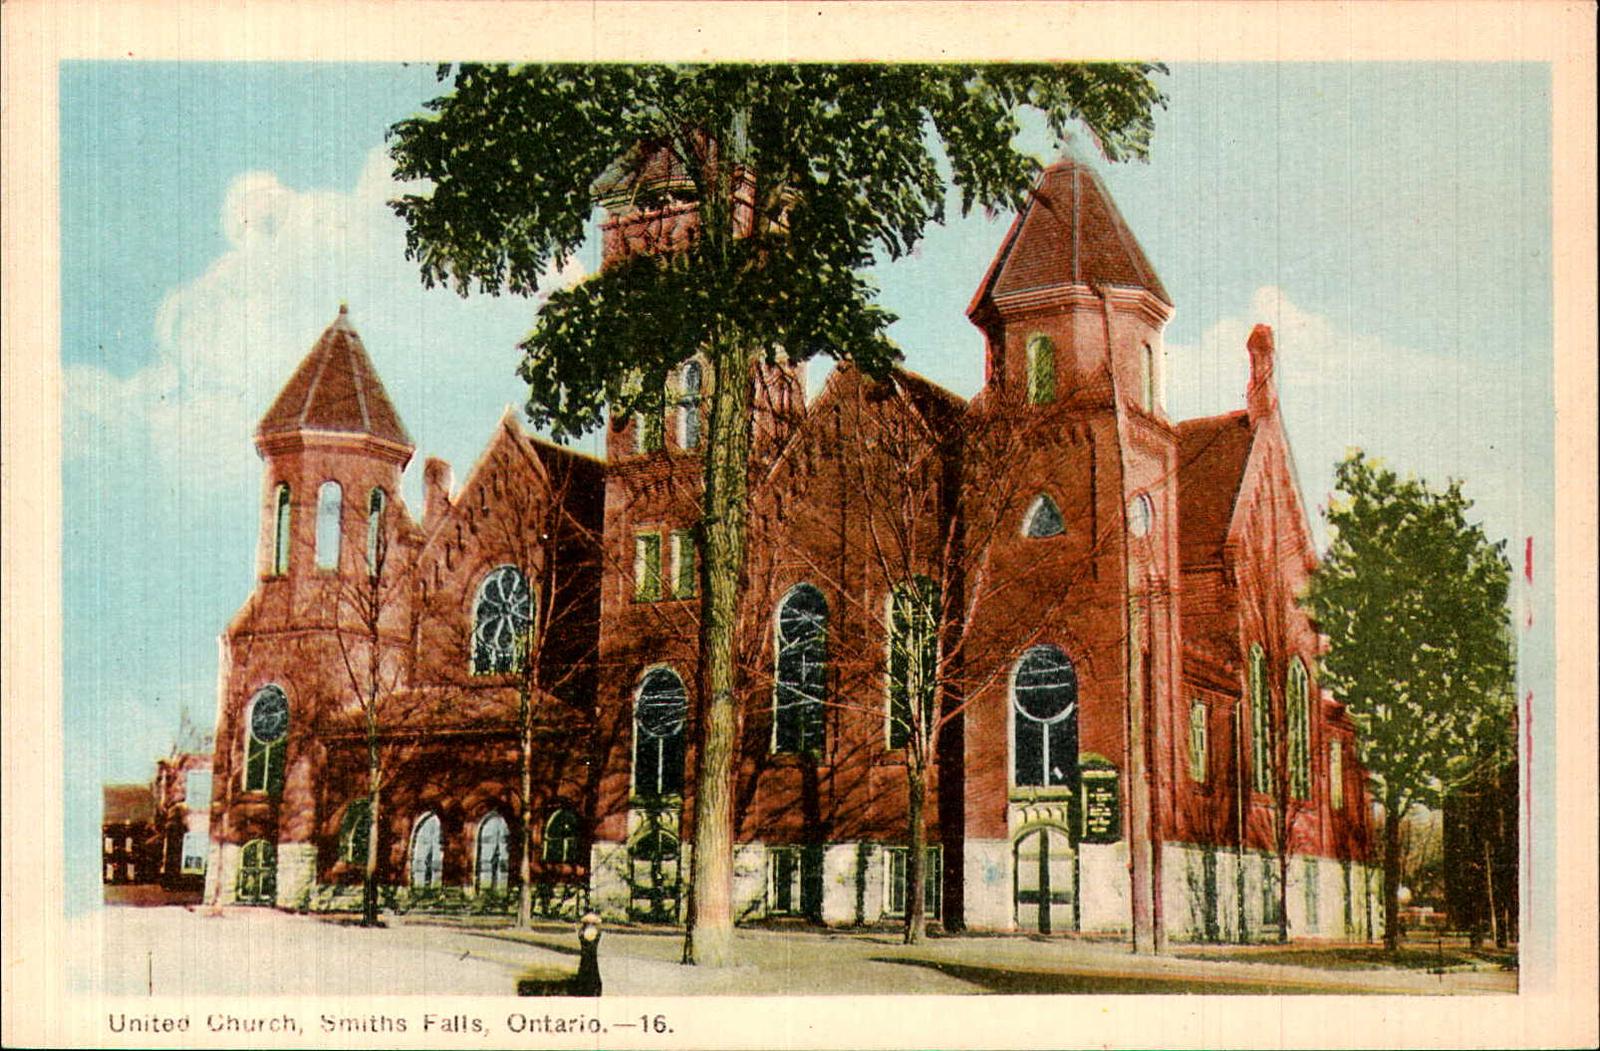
x,y
1102,810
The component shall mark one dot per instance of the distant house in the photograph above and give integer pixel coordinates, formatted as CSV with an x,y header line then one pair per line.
x,y
127,831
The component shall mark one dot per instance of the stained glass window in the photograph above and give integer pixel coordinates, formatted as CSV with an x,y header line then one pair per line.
x,y
913,658
659,715
802,671
266,741
501,619
1044,696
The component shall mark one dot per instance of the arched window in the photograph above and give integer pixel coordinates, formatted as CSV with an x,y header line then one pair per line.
x,y
376,502
427,852
258,872
689,406
1141,514
1041,370
494,854
1147,379
280,536
658,723
329,500
913,658
1260,722
1043,518
1199,742
355,832
802,671
266,739
1336,775
561,838
1044,700
502,616
1299,718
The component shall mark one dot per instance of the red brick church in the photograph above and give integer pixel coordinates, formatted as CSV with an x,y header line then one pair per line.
x,y
1077,616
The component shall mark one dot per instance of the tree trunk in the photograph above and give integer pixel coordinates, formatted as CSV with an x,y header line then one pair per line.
x,y
1283,889
1391,877
916,908
709,941
369,874
525,863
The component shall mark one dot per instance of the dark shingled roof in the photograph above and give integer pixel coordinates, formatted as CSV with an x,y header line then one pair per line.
x,y
1212,452
127,804
1069,234
336,389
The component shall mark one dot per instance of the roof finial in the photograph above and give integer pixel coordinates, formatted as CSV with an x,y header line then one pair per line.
x,y
344,306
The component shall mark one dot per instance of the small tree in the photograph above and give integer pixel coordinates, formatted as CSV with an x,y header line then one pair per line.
x,y
1413,600
795,175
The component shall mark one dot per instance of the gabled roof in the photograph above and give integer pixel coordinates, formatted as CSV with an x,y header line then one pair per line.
x,y
1070,233
127,804
1212,454
336,389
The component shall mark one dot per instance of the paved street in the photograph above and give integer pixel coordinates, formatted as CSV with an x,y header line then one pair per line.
x,y
174,951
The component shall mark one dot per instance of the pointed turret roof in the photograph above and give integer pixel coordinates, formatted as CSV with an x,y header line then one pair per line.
x,y
1070,233
336,389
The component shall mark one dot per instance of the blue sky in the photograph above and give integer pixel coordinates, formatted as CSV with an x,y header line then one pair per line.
x,y
1391,221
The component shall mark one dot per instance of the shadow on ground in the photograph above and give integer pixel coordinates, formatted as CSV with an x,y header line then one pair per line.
x,y
1370,958
1002,980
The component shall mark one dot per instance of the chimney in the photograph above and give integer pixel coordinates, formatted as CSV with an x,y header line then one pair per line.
x,y
1261,397
437,481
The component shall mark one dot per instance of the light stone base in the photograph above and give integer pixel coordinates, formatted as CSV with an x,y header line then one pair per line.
x,y
988,880
841,868
297,874
608,879
1323,912
222,873
749,881
1103,903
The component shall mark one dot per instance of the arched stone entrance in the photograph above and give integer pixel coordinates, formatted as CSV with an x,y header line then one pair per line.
x,y
1045,874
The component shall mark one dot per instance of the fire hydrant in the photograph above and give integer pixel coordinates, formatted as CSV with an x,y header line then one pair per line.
x,y
588,981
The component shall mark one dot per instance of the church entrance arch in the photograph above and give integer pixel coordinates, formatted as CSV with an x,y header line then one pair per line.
x,y
1045,880
258,873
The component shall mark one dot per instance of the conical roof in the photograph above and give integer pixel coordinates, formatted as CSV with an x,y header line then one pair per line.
x,y
336,389
1070,233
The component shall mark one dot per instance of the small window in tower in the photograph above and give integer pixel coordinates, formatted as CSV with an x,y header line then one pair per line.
x,y
329,500
649,428
1043,519
1199,742
685,568
1041,370
1147,379
689,406
647,567
280,540
1336,775
1141,514
375,538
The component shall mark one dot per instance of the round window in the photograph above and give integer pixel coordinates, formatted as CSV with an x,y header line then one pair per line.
x,y
662,704
1141,514
1046,686
269,716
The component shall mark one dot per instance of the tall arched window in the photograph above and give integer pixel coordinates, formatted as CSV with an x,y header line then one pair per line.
x,y
1299,718
330,498
280,536
502,616
376,502
802,671
266,739
913,658
1199,742
494,854
561,838
1260,722
658,722
1041,370
427,852
1043,519
689,406
355,832
1044,700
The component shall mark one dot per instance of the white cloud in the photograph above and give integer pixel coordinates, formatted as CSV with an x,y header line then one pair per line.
x,y
226,341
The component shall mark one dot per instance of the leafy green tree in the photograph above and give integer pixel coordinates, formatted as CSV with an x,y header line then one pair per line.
x,y
1413,600
798,176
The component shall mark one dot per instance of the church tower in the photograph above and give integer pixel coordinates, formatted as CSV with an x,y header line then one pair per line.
x,y
333,448
1079,512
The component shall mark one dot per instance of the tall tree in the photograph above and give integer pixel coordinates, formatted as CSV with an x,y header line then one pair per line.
x,y
1413,600
797,177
